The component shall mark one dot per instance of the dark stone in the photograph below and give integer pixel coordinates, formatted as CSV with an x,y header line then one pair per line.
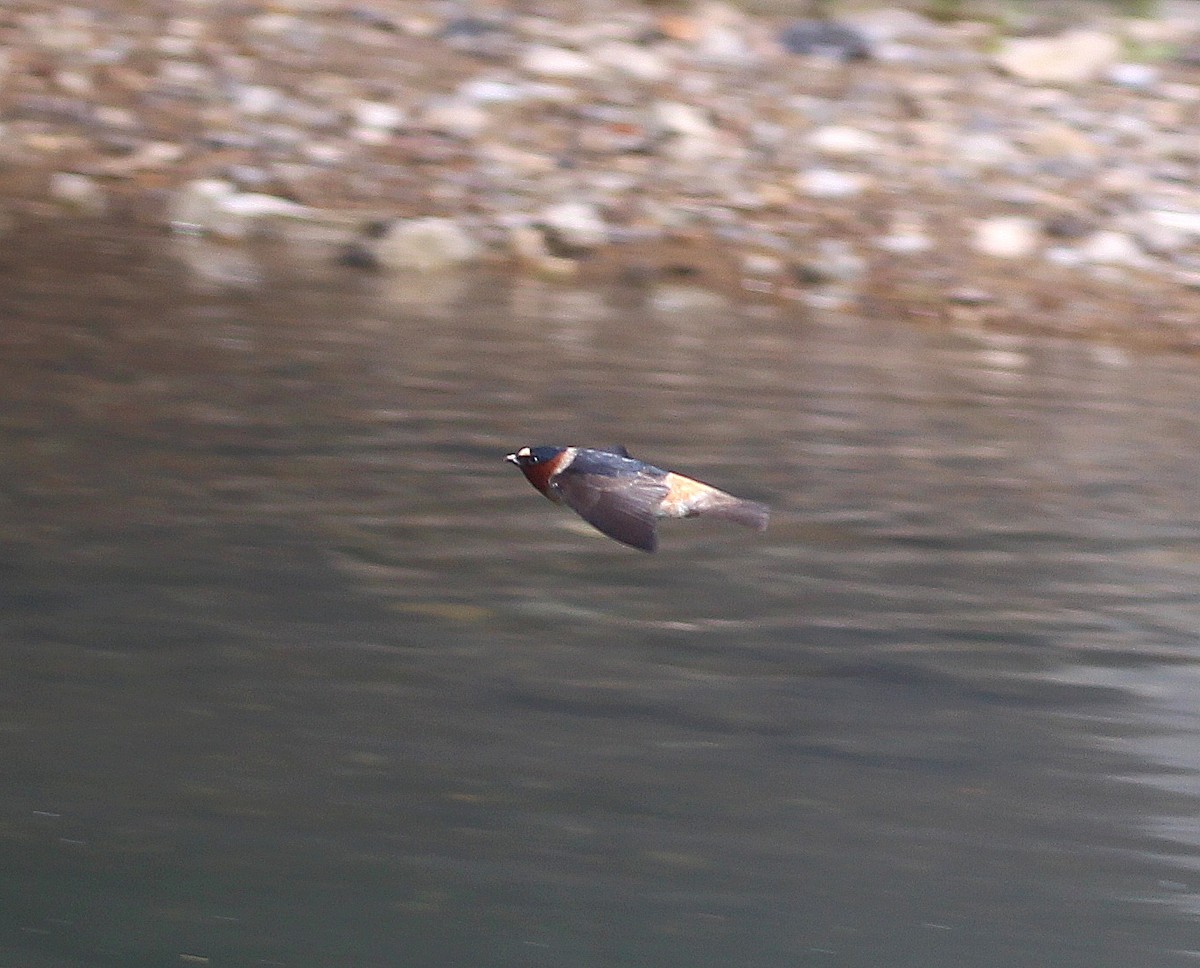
x,y
825,38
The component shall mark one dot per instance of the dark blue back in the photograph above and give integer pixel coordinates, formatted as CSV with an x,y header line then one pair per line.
x,y
607,463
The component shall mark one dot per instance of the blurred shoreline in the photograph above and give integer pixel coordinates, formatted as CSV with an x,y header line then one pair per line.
x,y
1030,175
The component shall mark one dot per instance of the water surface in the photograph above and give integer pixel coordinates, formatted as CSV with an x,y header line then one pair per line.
x,y
298,672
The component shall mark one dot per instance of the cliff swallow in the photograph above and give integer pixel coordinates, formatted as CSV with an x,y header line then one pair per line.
x,y
624,497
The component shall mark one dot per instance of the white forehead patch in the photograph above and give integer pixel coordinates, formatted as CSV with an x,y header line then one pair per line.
x,y
523,452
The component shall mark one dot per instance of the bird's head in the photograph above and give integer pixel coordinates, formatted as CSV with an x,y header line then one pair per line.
x,y
539,464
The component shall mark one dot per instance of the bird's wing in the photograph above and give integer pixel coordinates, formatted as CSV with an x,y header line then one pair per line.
x,y
623,507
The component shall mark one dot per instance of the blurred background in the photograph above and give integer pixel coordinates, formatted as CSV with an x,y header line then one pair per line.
x,y
297,671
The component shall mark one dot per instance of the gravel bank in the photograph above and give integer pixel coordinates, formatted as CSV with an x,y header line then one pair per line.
x,y
883,163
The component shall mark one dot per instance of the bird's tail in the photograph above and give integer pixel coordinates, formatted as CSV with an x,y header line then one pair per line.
x,y
749,514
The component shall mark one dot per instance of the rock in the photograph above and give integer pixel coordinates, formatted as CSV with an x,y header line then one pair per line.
x,y
1075,57
558,62
79,192
722,44
889,25
529,245
986,151
843,141
1112,248
575,225
673,299
761,264
717,34
835,261
637,62
1137,77
196,205
825,38
672,117
906,236
692,136
1187,223
257,100
424,245
829,183
153,155
377,115
1006,237
483,90
455,117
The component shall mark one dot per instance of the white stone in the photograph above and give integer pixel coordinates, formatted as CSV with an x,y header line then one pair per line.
x,y
1075,57
686,299
456,117
837,261
632,60
257,99
380,115
683,119
1112,248
557,62
147,157
484,90
905,242
425,244
984,150
577,224
195,203
1186,222
1006,237
723,45
761,264
1135,76
830,183
78,191
843,141
255,205
213,206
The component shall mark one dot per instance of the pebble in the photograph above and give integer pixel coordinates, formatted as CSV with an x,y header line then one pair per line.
x,y
1187,223
1134,76
211,206
835,261
424,245
842,141
558,62
906,236
829,183
577,225
825,38
79,192
454,116
378,115
1006,237
1075,57
682,119
637,62
483,90
675,300
1108,247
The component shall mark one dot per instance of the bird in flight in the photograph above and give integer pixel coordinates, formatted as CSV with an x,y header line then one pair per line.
x,y
624,497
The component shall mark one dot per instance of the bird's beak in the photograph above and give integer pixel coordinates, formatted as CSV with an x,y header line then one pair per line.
x,y
511,458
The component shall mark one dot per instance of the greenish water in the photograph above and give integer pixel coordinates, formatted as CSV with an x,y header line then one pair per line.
x,y
298,672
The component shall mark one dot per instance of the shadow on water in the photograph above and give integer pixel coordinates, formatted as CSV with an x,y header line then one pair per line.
x,y
298,672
